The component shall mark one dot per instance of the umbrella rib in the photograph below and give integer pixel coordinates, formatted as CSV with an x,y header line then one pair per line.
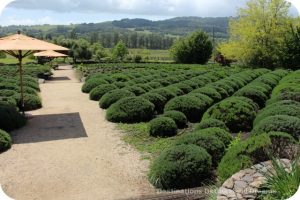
x,y
27,53
12,53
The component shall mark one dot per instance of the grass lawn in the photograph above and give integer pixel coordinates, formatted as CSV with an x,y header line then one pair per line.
x,y
137,135
12,60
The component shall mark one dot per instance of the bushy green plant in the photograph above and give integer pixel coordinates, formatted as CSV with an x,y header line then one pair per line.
x,y
284,96
163,127
211,123
222,134
10,101
179,118
189,105
31,102
236,113
158,100
10,118
91,84
290,110
281,123
7,93
130,110
136,90
252,93
164,92
174,90
209,91
212,144
5,141
182,166
244,155
280,183
154,84
113,96
202,97
183,87
101,90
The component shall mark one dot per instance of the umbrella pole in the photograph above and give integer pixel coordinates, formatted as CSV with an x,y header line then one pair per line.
x,y
21,82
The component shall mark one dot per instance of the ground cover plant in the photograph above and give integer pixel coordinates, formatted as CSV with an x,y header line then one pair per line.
x,y
203,108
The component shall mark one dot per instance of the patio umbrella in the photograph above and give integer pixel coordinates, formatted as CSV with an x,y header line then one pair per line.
x,y
21,46
50,54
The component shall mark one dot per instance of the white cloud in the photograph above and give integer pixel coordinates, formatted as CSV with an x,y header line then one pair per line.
x,y
141,7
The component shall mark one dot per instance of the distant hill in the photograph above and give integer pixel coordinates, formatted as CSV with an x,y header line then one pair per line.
x,y
172,28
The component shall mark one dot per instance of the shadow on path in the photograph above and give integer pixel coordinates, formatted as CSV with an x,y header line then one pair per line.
x,y
42,128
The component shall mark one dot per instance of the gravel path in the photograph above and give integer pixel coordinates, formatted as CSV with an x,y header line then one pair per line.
x,y
68,151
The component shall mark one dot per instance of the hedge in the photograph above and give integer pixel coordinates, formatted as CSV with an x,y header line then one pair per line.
x,y
163,127
182,166
136,90
252,93
130,110
209,91
164,92
235,112
101,90
158,100
113,96
211,123
5,141
189,105
10,118
179,118
91,84
220,133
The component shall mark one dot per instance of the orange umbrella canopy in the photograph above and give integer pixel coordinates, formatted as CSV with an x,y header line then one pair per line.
x,y
50,54
22,42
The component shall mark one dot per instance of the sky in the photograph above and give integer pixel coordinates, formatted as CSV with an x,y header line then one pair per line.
x,y
30,12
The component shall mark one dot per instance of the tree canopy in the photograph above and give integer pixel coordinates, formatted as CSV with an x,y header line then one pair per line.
x,y
194,49
260,33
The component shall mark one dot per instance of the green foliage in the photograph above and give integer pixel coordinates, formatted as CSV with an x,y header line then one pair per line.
x,y
101,90
130,110
210,92
243,155
211,123
164,92
291,108
189,105
281,123
136,90
212,144
254,94
80,50
113,96
10,118
92,83
236,112
284,183
5,141
98,52
196,48
158,100
31,102
222,134
179,118
257,34
163,127
182,166
120,51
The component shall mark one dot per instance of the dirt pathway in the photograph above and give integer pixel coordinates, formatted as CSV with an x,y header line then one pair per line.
x,y
68,151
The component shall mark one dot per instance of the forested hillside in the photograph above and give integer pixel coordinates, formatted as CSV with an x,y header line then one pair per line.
x,y
136,33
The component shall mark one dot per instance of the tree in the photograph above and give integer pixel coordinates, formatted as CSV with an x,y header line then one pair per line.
x,y
194,49
290,52
257,34
80,50
98,52
120,51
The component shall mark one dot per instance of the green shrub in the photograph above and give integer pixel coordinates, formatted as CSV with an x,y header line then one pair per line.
x,y
209,91
243,155
211,123
202,97
130,110
285,96
183,87
224,86
5,141
221,91
163,82
120,84
212,144
236,113
158,100
175,90
31,102
154,84
256,95
164,92
10,101
10,118
191,84
101,90
222,134
136,90
290,110
113,96
182,166
8,86
7,93
280,123
145,87
120,77
91,84
163,127
179,118
188,105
